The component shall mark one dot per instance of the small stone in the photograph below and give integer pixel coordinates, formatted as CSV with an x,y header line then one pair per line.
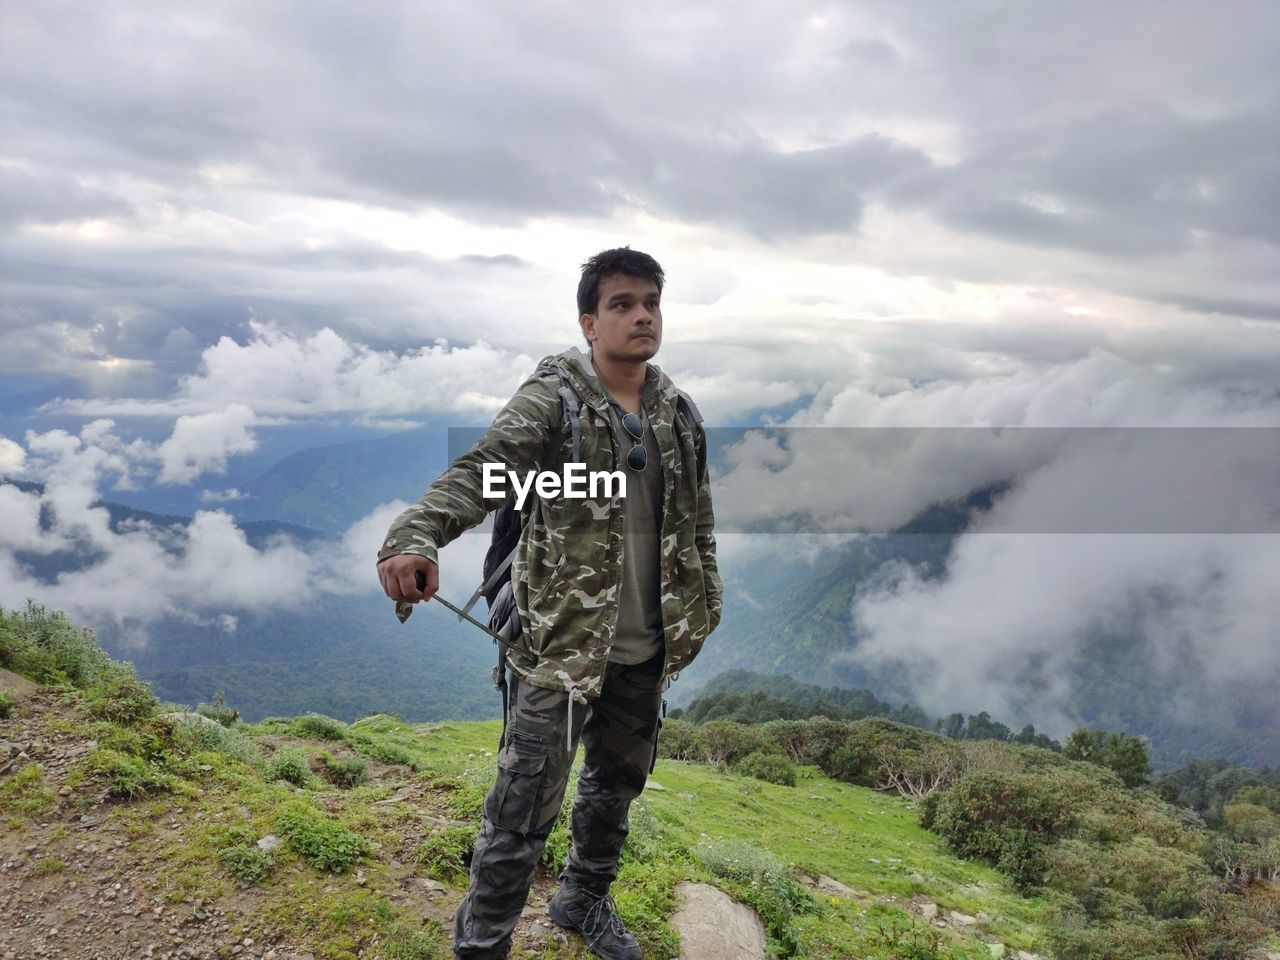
x,y
247,941
929,911
64,792
269,842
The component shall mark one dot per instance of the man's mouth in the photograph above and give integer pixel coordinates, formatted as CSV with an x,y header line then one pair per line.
x,y
642,336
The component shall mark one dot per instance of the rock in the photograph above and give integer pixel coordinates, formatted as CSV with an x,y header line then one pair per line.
x,y
834,888
269,842
539,929
961,919
929,910
654,785
997,950
712,926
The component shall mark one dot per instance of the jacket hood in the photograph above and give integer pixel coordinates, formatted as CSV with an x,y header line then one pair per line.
x,y
577,367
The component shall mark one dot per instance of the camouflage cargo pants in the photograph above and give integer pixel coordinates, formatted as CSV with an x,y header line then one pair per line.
x,y
618,731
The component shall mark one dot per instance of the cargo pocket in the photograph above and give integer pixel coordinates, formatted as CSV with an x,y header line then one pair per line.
x,y
521,769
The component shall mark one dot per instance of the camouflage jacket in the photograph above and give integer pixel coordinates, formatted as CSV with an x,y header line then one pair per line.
x,y
567,569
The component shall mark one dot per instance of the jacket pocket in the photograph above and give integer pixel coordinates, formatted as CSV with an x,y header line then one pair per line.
x,y
552,579
514,800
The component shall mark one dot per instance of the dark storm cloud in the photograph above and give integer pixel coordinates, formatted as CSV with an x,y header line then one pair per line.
x,y
1121,184
1113,133
51,197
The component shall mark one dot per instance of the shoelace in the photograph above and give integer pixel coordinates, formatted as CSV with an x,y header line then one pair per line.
x,y
606,906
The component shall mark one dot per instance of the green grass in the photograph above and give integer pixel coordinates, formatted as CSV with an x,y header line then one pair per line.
x,y
866,840
25,793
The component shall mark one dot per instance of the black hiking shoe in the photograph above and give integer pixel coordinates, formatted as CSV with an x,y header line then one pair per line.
x,y
596,918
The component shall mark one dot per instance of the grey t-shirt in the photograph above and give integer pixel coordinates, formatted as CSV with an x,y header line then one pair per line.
x,y
639,633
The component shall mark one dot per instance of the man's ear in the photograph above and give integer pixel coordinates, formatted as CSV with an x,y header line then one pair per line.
x,y
588,324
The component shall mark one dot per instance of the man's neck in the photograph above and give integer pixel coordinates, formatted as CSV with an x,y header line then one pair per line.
x,y
623,381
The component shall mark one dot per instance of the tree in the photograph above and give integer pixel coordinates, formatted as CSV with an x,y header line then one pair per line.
x,y
1121,752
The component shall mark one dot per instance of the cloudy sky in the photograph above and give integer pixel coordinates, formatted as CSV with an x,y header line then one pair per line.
x,y
218,220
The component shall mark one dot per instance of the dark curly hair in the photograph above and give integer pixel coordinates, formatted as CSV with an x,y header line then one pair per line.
x,y
608,263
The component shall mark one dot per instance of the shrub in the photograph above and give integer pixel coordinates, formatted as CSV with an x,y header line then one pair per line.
x,y
324,843
193,735
47,867
724,741
679,740
290,765
1005,819
319,727
344,772
218,711
444,854
769,767
123,775
6,705
247,863
813,741
893,756
48,647
119,696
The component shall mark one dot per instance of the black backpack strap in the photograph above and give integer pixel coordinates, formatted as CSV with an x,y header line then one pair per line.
x,y
489,584
570,409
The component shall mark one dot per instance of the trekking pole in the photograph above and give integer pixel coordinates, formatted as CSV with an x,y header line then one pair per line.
x,y
420,580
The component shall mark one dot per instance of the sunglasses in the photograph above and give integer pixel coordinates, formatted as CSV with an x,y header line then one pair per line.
x,y
637,458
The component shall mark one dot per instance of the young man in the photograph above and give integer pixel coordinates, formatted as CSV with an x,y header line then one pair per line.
x,y
614,595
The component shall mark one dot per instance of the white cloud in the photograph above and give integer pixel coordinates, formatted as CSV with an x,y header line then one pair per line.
x,y
282,375
12,458
202,442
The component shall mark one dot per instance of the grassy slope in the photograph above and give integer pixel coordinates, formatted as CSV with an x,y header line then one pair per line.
x,y
166,846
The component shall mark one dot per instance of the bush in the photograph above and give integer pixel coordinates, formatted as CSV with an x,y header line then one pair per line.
x,y
194,735
48,647
247,863
769,767
813,741
1006,819
724,741
218,711
887,755
345,772
6,705
445,852
290,765
325,844
123,774
679,741
319,727
119,696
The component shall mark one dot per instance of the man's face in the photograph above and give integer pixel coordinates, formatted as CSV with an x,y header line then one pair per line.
x,y
627,324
